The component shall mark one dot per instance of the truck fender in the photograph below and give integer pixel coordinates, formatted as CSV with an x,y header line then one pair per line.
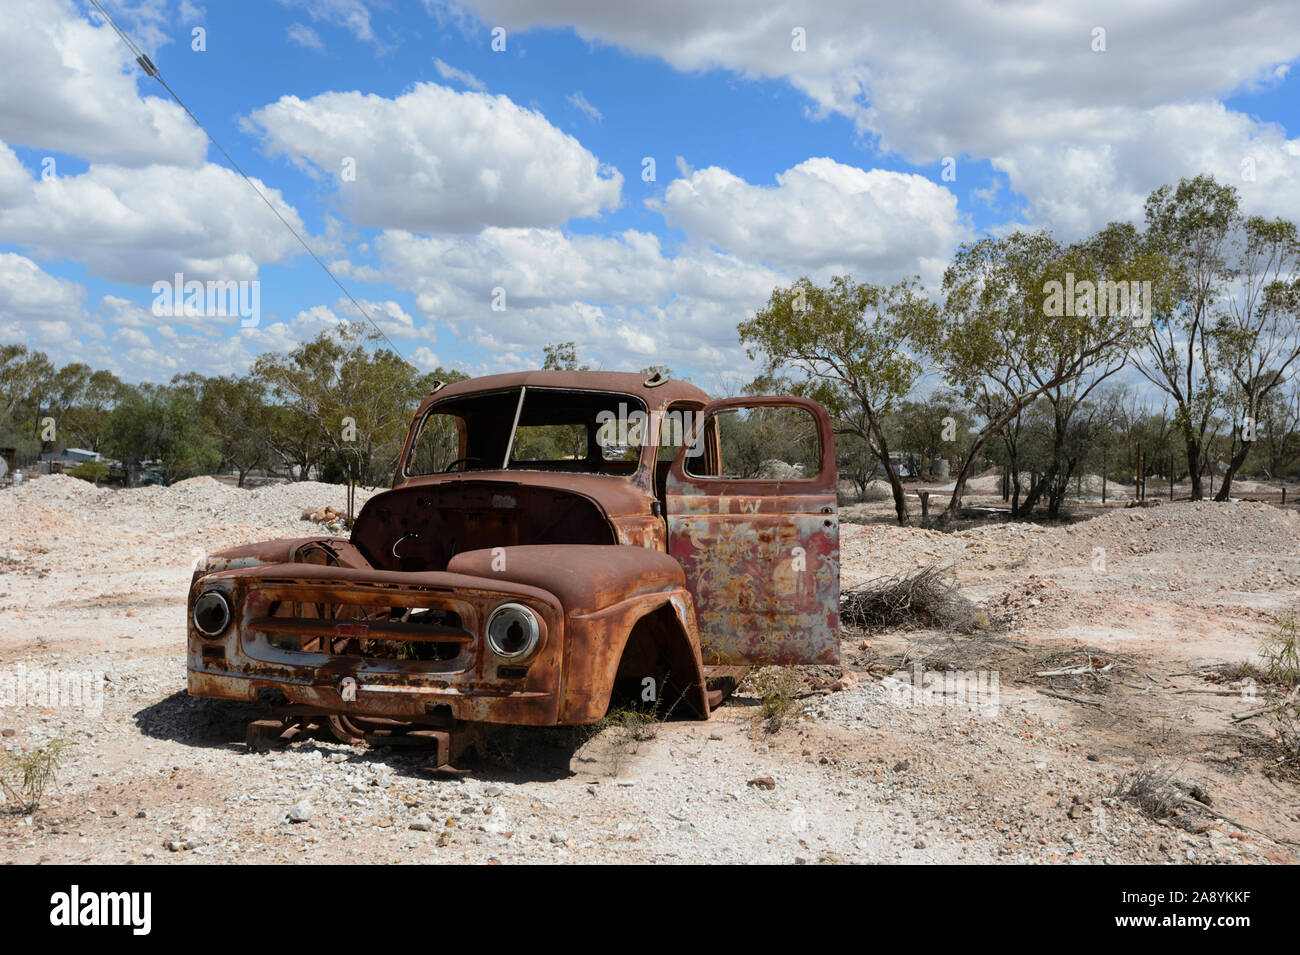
x,y
610,593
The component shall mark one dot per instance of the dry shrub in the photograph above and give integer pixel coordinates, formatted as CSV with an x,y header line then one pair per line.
x,y
1280,654
777,689
1236,671
1286,724
1156,789
632,725
926,597
1153,788
24,775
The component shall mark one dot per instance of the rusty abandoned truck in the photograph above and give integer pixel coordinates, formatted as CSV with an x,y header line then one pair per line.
x,y
554,542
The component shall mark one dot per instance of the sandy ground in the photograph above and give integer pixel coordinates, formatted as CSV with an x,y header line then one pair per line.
x,y
1157,600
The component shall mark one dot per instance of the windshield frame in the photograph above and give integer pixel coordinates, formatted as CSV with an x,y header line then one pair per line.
x,y
647,451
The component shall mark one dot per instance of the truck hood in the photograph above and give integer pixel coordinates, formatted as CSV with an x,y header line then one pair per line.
x,y
616,495
422,524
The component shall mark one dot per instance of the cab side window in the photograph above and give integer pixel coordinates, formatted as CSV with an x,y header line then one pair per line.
x,y
759,443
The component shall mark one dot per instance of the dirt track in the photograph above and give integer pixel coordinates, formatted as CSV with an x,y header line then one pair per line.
x,y
95,581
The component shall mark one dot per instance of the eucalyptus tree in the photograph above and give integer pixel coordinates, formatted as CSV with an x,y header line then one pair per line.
x,y
1257,333
1024,316
23,374
849,339
1190,226
358,402
235,412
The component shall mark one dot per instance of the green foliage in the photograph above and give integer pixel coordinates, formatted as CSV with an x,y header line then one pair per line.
x,y
561,357
557,442
24,775
1226,337
937,426
553,442
1279,420
1005,336
847,333
848,339
1257,334
357,403
85,399
25,377
235,412
92,471
162,423
996,336
855,462
765,443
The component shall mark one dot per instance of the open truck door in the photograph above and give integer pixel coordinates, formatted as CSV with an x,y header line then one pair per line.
x,y
753,520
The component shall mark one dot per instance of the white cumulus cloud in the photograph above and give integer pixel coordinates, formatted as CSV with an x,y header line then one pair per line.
x,y
820,214
434,159
143,225
72,87
305,37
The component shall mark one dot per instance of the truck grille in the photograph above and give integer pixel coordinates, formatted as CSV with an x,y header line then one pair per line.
x,y
367,626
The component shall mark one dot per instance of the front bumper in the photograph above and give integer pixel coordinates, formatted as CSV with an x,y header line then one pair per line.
x,y
303,630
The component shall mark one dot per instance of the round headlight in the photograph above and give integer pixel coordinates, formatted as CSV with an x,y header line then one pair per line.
x,y
211,613
512,631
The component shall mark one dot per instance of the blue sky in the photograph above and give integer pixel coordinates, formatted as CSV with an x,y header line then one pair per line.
x,y
522,169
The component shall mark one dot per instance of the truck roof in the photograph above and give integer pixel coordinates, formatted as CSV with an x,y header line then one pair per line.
x,y
618,382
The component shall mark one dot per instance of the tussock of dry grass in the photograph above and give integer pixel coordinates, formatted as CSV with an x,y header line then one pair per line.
x,y
1153,788
1281,654
778,690
24,775
1156,789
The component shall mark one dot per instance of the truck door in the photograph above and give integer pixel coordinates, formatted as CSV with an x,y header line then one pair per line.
x,y
753,520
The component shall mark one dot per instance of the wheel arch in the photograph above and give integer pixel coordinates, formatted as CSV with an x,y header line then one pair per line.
x,y
614,650
660,645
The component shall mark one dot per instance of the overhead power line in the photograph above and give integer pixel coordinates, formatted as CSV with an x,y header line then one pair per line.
x,y
151,70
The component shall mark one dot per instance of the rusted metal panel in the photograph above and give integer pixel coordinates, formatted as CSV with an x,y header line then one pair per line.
x,y
596,650
761,557
763,587
473,686
583,578
607,591
646,531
